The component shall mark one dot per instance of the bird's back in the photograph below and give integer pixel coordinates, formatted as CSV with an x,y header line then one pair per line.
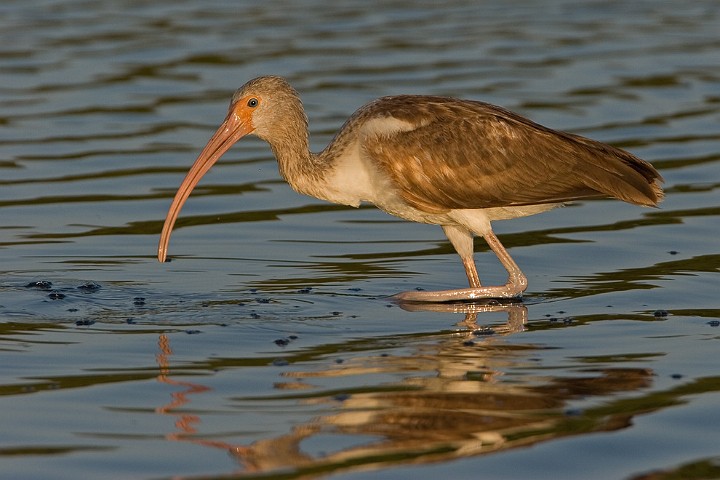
x,y
444,154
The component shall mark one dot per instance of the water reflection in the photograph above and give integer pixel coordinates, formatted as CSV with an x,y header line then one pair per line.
x,y
185,423
516,311
450,400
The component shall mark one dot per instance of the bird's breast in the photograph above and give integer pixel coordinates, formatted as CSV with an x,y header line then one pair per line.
x,y
355,179
349,179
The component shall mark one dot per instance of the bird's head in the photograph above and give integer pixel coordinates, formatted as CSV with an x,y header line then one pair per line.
x,y
262,107
265,105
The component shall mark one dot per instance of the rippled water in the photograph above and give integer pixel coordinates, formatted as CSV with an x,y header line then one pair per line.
x,y
266,347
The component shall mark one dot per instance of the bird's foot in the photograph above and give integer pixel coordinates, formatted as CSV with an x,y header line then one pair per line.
x,y
510,290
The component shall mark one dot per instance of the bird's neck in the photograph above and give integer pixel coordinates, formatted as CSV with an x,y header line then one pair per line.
x,y
300,167
305,171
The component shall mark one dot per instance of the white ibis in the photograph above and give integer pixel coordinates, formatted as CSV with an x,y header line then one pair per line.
x,y
455,163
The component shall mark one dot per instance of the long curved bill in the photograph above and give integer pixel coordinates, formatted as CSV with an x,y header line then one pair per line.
x,y
233,128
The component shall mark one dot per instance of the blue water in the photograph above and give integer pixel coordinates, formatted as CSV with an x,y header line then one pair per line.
x,y
268,346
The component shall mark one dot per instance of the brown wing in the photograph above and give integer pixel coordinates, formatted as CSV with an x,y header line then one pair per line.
x,y
474,155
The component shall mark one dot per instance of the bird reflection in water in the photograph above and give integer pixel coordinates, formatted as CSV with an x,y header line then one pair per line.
x,y
184,422
517,313
451,401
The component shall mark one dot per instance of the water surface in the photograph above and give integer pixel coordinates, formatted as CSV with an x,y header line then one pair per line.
x,y
267,347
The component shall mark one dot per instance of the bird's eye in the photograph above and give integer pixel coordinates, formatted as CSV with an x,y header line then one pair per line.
x,y
252,103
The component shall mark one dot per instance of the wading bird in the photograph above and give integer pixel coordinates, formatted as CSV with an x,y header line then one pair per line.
x,y
455,163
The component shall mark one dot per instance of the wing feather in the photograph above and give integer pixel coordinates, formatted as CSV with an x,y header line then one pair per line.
x,y
466,154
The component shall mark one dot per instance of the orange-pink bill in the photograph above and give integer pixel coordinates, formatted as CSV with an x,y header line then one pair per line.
x,y
235,126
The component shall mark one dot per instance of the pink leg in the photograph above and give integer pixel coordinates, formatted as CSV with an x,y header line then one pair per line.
x,y
516,284
462,240
471,272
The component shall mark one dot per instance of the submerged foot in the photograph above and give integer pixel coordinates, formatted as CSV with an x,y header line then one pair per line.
x,y
510,290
